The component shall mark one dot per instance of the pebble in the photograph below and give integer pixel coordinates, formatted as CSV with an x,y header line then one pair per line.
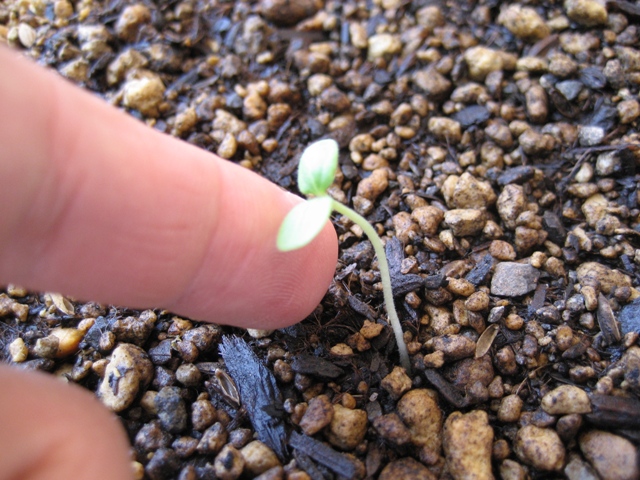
x,y
523,22
151,437
318,415
172,411
431,82
164,464
18,350
590,135
630,364
566,399
512,279
501,250
466,191
130,21
588,13
419,411
285,13
129,371
482,61
540,447
228,146
143,91
258,458
607,278
511,204
468,442
628,111
406,468
629,317
392,429
372,186
445,129
383,45
511,470
510,408
135,330
347,428
227,122
229,463
203,415
396,383
464,221
213,439
27,35
607,164
454,347
613,457
578,469
60,343
125,62
428,218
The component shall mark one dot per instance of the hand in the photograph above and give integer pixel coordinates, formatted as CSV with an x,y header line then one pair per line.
x,y
96,205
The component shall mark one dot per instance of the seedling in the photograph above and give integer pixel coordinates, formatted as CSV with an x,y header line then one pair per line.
x,y
306,220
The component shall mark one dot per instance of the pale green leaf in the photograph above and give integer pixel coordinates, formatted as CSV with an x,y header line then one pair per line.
x,y
303,223
317,167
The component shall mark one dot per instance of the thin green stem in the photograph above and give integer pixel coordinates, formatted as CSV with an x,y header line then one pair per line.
x,y
385,277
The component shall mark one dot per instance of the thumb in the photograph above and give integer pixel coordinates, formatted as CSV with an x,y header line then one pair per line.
x,y
101,207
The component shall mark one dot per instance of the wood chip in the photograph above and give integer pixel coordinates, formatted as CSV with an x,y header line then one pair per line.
x,y
259,392
324,455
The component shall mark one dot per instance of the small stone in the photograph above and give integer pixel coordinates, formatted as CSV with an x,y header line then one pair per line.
x,y
608,279
510,408
607,164
466,191
397,383
347,428
227,122
164,464
629,317
213,439
590,135
129,371
482,61
229,463
373,185
501,250
18,350
586,12
258,458
540,447
468,442
419,411
383,45
511,204
371,330
431,82
512,279
523,22
613,457
130,21
445,129
285,13
628,111
318,415
566,399
172,411
465,222
151,437
391,429
578,469
569,88
125,62
428,218
537,104
143,91
406,468
76,70
454,347
203,415
477,302
228,146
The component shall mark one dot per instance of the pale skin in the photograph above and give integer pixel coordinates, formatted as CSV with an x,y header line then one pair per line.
x,y
96,205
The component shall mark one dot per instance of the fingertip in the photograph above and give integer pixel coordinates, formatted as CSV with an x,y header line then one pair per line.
x,y
55,431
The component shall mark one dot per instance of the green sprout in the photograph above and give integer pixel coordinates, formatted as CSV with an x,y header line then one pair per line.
x,y
306,220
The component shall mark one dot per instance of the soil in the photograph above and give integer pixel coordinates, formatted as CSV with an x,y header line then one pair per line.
x,y
493,146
